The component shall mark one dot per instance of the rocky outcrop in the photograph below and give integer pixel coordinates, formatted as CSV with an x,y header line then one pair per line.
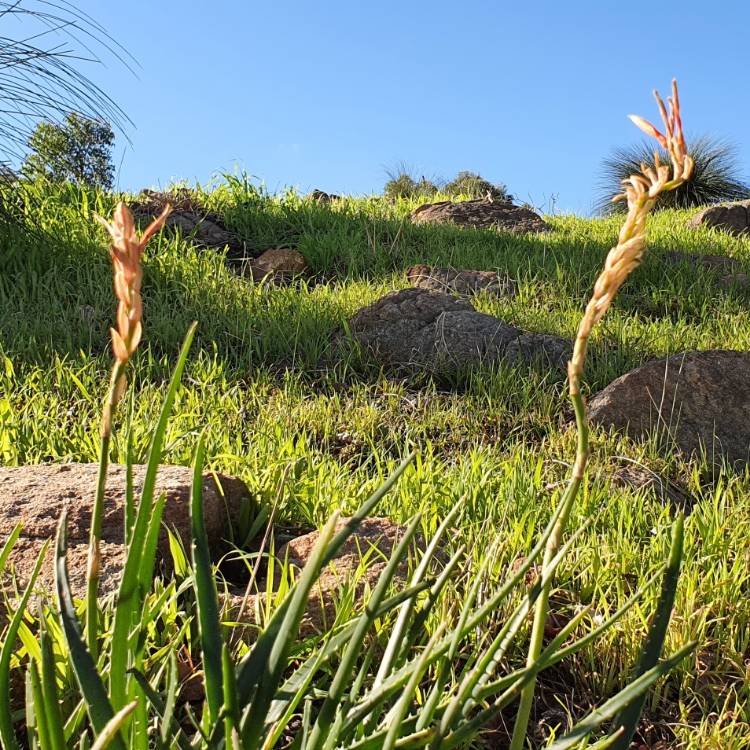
x,y
202,227
729,217
695,402
36,495
462,283
423,329
481,214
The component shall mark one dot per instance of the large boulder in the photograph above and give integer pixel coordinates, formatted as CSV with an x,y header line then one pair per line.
x,y
482,214
424,329
36,495
730,217
460,282
698,401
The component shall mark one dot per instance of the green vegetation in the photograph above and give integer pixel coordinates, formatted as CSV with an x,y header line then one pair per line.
x,y
465,185
283,405
79,151
716,176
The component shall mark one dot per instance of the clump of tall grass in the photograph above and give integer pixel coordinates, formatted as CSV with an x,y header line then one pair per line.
x,y
384,677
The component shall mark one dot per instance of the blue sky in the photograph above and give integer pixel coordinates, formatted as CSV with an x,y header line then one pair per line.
x,y
331,94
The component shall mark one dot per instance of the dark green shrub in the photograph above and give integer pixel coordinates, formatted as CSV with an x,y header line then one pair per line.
x,y
475,186
716,177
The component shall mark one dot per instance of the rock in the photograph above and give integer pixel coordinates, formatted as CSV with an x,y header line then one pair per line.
x,y
718,263
731,217
734,281
542,347
696,401
322,197
435,331
640,478
482,214
279,265
36,495
360,561
204,228
463,283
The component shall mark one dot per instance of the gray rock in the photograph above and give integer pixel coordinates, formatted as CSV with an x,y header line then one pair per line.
x,y
730,217
423,329
718,263
36,495
204,228
463,283
482,214
698,401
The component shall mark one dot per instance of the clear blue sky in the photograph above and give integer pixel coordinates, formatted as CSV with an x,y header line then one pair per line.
x,y
329,94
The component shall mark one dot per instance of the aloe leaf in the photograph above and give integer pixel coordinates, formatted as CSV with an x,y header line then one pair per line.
x,y
7,735
630,716
161,709
108,735
397,714
274,642
251,667
393,648
92,688
294,690
53,714
9,544
366,619
36,720
205,594
128,600
617,703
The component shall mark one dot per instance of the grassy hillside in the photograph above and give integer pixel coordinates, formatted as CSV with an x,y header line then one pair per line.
x,y
274,390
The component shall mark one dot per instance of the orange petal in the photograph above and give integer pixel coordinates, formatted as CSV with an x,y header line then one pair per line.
x,y
648,129
118,346
154,227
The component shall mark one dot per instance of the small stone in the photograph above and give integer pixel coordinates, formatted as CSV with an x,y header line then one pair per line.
x,y
360,561
482,214
323,197
734,281
640,478
279,265
463,283
201,227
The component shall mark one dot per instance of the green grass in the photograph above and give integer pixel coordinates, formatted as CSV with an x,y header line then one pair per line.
x,y
273,390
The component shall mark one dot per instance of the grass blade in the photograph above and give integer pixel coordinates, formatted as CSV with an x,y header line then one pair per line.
x,y
205,595
95,696
128,597
7,735
652,649
108,735
617,703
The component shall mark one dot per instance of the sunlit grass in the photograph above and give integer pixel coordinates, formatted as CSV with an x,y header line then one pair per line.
x,y
272,390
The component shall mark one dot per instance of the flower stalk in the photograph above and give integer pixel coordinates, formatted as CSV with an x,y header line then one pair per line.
x,y
641,191
126,251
